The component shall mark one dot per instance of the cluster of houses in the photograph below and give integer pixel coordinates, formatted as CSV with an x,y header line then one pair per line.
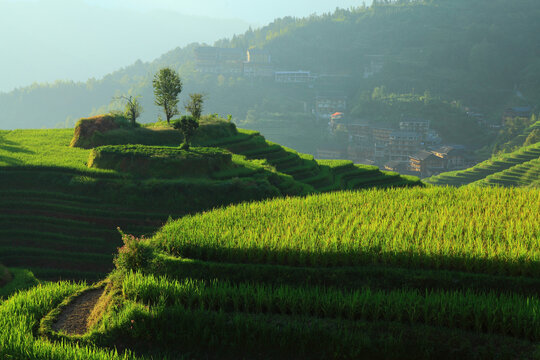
x,y
413,148
257,63
441,159
520,112
233,61
252,63
327,106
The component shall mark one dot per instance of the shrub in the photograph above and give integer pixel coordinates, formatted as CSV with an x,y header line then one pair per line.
x,y
160,162
133,255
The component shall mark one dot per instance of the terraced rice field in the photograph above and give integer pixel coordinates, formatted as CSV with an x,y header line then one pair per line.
x,y
487,168
526,174
61,235
59,218
322,175
380,274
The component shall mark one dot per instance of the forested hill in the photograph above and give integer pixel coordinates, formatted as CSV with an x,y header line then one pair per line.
x,y
481,54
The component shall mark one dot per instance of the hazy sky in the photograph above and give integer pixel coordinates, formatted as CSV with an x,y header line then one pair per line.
x,y
253,11
48,40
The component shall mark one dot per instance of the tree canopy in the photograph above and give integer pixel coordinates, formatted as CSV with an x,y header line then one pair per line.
x,y
167,87
195,105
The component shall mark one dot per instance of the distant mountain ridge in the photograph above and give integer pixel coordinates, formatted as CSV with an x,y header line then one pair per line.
x,y
474,53
67,39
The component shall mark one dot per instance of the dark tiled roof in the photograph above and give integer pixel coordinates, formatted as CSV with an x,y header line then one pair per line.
x,y
421,155
393,164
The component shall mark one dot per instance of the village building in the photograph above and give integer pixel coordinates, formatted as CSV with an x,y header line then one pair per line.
x,y
419,126
258,64
374,65
402,144
259,56
326,105
478,117
455,158
382,135
214,60
396,166
381,141
432,139
294,77
520,111
360,147
338,121
426,163
359,133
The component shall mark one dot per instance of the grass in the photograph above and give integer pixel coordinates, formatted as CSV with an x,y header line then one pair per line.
x,y
400,273
160,161
526,174
18,280
224,335
45,148
417,273
21,315
56,206
323,175
492,313
477,230
487,168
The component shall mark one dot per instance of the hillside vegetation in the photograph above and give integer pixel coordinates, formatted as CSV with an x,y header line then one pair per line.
x,y
404,273
59,217
517,168
440,56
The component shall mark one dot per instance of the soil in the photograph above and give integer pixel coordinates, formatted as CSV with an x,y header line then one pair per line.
x,y
74,318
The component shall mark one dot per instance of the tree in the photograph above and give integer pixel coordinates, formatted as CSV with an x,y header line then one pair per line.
x,y
133,108
195,105
167,87
187,124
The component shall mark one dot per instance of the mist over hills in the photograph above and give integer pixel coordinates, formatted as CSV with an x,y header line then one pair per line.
x,y
51,40
439,57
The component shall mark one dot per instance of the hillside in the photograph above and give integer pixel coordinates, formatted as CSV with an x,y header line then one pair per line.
x,y
462,54
518,168
59,217
391,274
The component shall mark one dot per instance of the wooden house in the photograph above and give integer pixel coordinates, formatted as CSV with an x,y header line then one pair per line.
x,y
426,163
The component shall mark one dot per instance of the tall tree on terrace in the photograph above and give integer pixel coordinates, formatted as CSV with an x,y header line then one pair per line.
x,y
132,109
167,87
195,105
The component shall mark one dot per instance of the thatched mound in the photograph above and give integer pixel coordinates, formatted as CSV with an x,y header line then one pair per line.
x,y
87,128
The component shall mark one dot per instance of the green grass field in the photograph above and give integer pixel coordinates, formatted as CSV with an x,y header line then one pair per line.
x,y
380,274
60,216
225,265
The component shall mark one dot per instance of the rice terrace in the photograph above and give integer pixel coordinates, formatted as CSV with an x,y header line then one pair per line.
x,y
405,226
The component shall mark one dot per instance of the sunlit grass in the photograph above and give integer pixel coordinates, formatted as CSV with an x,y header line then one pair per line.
x,y
477,230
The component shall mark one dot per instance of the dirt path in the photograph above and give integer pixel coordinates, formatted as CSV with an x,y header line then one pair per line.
x,y
73,319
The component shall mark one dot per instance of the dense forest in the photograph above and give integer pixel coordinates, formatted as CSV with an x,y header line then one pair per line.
x,y
442,56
